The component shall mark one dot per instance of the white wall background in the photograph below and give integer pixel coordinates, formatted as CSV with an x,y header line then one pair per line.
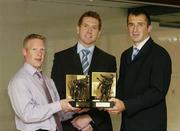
x,y
57,21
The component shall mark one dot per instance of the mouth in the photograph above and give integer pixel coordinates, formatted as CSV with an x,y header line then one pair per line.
x,y
88,36
135,35
38,59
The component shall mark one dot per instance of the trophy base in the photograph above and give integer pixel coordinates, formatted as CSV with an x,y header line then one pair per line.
x,y
102,104
80,104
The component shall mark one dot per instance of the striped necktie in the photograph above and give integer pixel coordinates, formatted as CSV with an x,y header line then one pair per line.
x,y
135,52
85,62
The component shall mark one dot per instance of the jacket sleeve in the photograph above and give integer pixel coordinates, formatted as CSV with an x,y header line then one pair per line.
x,y
58,76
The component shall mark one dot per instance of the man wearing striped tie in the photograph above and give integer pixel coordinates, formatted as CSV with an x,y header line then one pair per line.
x,y
84,58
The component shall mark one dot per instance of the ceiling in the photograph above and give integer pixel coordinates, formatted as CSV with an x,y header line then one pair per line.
x,y
166,12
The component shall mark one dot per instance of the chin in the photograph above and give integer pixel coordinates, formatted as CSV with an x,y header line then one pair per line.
x,y
136,40
38,66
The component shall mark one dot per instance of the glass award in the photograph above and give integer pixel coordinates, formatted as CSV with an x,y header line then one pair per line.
x,y
103,88
78,89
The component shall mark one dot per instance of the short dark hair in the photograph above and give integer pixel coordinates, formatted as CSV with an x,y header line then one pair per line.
x,y
139,11
33,36
90,14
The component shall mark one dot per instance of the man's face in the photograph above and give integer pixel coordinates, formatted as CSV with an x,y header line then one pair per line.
x,y
88,31
34,52
138,28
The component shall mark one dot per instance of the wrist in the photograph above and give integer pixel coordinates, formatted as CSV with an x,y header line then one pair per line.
x,y
124,105
92,123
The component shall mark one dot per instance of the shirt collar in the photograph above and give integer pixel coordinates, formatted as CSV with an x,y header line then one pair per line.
x,y
80,47
31,70
140,45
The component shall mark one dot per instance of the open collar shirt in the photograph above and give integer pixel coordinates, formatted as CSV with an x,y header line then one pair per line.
x,y
28,99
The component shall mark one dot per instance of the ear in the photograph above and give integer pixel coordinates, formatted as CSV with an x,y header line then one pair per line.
x,y
99,33
77,29
149,29
24,51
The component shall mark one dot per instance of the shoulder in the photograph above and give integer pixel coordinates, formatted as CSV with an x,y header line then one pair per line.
x,y
65,52
103,53
20,78
160,57
20,74
126,52
159,51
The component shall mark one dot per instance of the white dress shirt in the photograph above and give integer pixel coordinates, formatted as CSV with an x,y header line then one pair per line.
x,y
28,99
141,44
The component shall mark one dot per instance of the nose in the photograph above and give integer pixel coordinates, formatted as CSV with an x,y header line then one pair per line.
x,y
40,52
89,30
135,28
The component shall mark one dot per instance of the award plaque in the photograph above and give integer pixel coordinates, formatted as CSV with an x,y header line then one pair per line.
x,y
103,88
78,89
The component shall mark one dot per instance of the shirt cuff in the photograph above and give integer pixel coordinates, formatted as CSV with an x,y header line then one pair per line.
x,y
56,106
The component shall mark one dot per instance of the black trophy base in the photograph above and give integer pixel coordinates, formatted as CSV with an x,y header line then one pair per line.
x,y
102,104
80,104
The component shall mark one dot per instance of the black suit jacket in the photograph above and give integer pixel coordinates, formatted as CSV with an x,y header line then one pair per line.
x,y
68,62
143,84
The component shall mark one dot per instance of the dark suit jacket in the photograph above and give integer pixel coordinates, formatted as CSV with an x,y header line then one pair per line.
x,y
68,62
143,84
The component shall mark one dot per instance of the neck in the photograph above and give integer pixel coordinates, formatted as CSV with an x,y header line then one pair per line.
x,y
85,45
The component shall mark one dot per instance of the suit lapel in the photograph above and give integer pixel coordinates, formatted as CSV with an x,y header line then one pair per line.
x,y
128,56
145,49
94,60
142,53
76,60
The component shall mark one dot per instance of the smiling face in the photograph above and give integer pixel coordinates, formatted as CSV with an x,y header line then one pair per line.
x,y
34,52
138,27
88,31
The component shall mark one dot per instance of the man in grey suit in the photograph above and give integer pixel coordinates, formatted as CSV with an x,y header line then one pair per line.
x,y
144,78
70,61
33,95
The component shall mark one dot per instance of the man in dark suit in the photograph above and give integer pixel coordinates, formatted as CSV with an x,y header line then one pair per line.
x,y
144,79
69,62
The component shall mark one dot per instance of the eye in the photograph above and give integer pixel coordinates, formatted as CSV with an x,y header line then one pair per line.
x,y
84,25
43,49
130,24
95,27
141,24
34,49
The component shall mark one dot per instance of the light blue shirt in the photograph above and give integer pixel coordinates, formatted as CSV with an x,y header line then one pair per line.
x,y
80,47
